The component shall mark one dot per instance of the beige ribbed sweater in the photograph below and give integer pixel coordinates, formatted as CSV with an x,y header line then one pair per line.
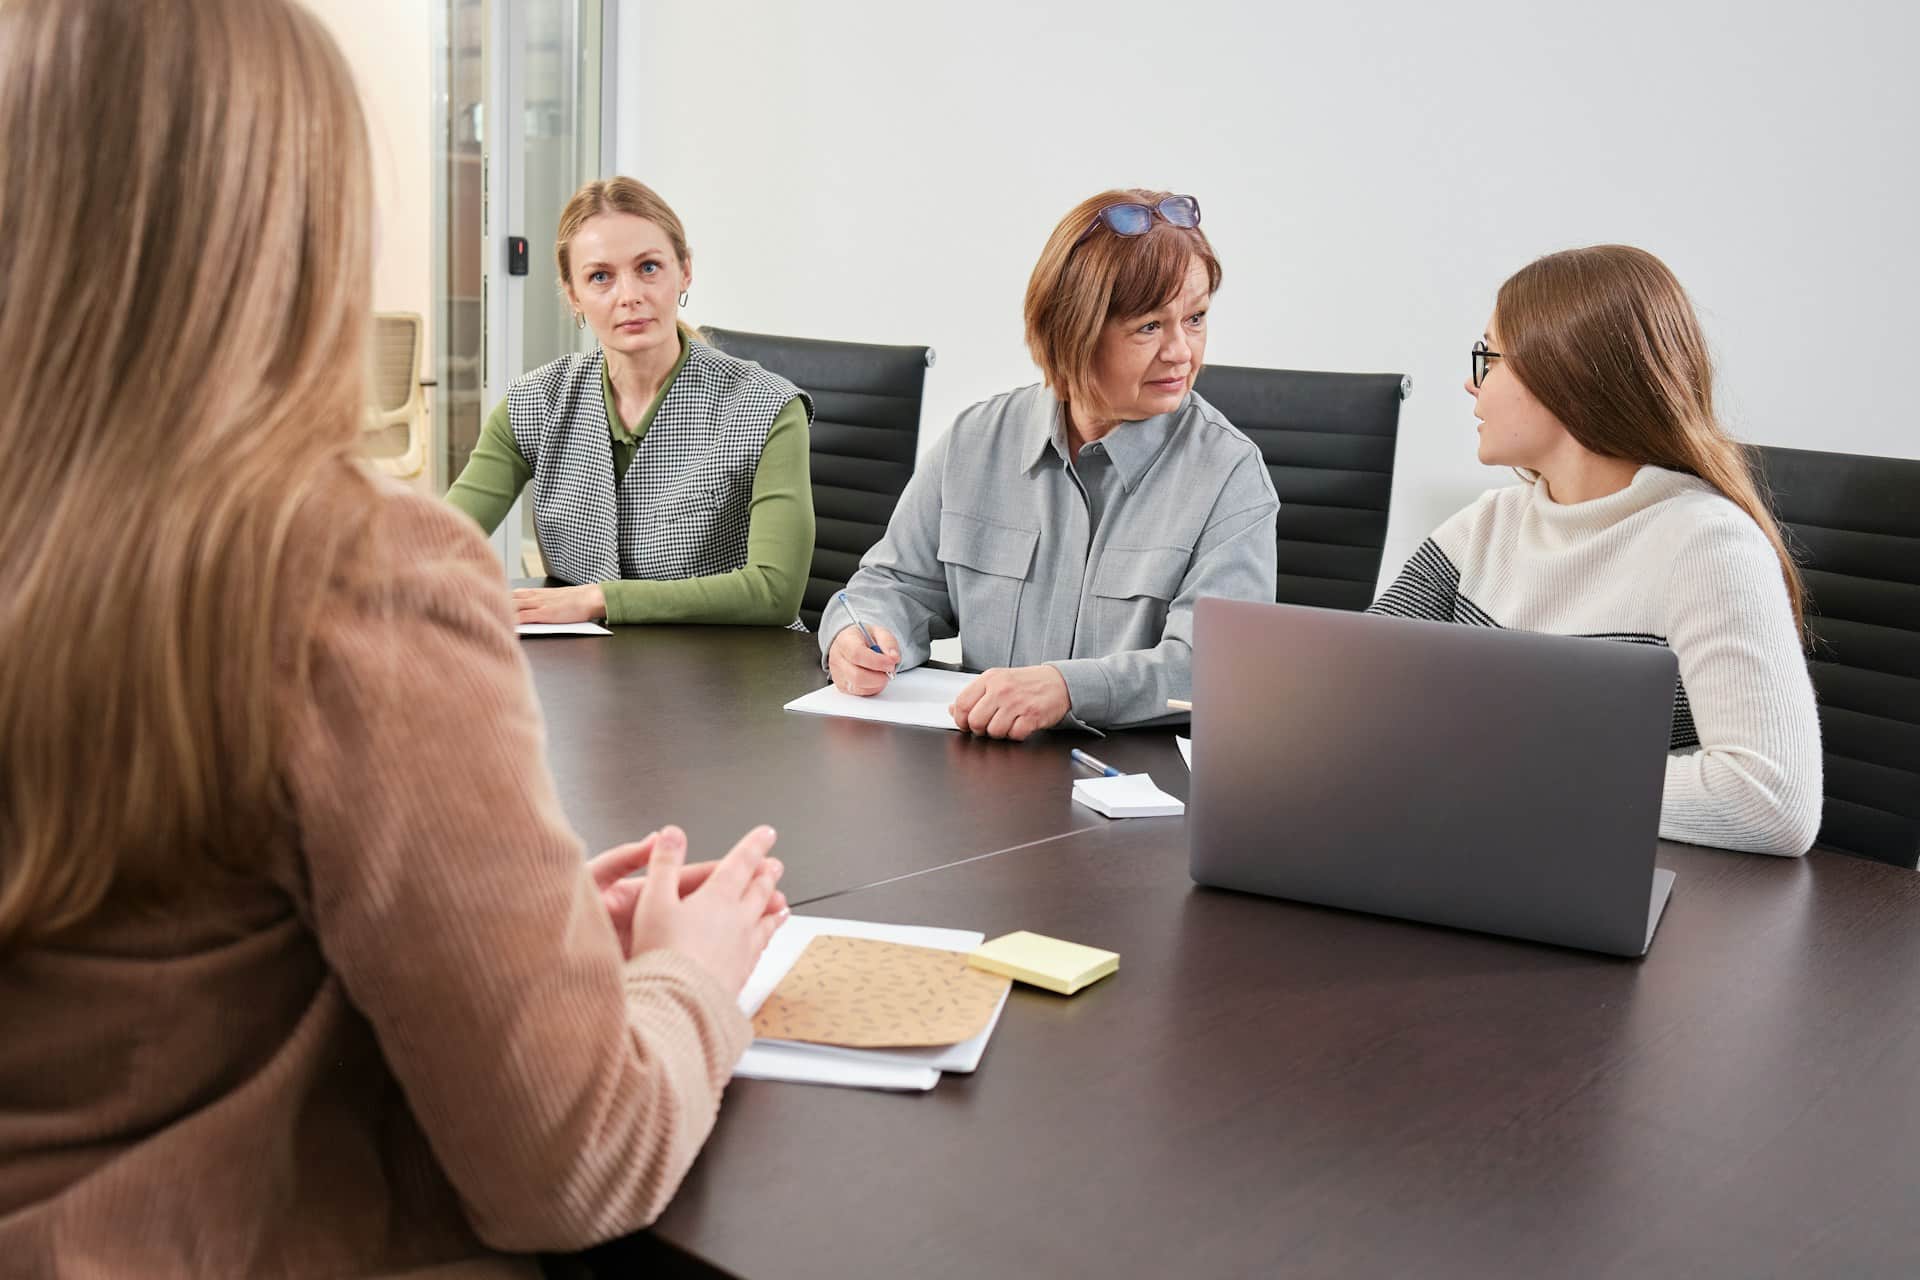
x,y
410,1040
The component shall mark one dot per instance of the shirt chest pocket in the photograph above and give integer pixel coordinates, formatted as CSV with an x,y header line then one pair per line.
x,y
987,568
692,506
685,531
695,504
1132,588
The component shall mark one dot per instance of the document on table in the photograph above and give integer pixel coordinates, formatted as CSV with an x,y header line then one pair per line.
x,y
908,1069
1186,750
802,1064
562,629
917,697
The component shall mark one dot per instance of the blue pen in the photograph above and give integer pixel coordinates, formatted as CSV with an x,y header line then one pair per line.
x,y
864,633
1091,763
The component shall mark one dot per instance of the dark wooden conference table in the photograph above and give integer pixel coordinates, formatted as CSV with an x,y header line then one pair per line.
x,y
1265,1088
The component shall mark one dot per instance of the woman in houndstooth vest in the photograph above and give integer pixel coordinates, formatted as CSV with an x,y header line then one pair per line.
x,y
670,481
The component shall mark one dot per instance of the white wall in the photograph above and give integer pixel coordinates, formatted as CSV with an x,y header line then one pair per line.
x,y
389,47
886,171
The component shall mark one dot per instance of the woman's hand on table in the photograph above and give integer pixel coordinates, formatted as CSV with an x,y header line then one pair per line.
x,y
559,604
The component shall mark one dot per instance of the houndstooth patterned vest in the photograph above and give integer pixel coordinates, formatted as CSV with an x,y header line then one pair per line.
x,y
681,511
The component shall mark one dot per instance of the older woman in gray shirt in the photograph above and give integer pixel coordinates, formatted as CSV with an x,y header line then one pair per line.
x,y
1064,530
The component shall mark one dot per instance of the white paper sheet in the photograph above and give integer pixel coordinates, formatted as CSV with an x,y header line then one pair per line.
x,y
764,1061
1186,750
1131,795
917,697
833,1064
562,629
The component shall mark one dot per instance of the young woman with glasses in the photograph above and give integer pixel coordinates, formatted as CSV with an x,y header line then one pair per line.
x,y
670,481
1064,530
1640,521
302,972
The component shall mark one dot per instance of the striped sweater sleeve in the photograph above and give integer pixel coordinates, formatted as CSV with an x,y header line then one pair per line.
x,y
1429,584
1427,587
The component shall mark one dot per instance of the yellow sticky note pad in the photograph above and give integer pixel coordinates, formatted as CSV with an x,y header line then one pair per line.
x,y
1045,962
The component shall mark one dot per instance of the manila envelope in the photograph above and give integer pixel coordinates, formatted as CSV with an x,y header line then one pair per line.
x,y
865,994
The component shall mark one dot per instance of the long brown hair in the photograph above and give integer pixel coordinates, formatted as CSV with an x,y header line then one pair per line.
x,y
184,294
618,195
1607,340
1081,283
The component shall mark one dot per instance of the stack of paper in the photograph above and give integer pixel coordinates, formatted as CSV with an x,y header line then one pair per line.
x,y
897,1066
1131,795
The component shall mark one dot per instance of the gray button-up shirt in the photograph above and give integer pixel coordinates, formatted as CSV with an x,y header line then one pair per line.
x,y
1090,566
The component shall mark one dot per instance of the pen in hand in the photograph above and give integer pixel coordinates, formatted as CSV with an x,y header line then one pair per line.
x,y
864,633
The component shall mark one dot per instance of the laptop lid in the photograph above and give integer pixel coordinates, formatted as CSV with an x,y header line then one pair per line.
x,y
1503,781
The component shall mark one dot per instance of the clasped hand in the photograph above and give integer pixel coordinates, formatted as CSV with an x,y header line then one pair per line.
x,y
720,914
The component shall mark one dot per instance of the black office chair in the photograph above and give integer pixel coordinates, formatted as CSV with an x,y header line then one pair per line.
x,y
1854,524
866,428
1328,440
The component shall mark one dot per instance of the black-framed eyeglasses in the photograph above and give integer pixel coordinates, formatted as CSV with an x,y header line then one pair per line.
x,y
1130,219
1481,355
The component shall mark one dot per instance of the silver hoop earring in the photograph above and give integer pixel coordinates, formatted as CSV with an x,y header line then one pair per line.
x,y
683,297
579,320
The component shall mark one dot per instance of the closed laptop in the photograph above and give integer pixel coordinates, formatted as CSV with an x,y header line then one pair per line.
x,y
1487,779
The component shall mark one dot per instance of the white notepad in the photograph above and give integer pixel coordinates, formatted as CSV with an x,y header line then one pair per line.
x,y
917,697
1186,750
1131,795
562,629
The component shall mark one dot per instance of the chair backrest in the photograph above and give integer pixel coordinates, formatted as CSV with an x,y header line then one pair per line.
x,y
1328,439
1854,524
866,429
396,427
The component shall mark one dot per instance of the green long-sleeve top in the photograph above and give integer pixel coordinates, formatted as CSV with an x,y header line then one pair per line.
x,y
765,592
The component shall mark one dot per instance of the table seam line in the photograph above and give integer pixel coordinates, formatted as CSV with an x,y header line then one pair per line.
x,y
959,862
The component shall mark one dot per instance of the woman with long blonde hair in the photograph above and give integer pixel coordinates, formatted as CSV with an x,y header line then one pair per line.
x,y
1640,521
278,998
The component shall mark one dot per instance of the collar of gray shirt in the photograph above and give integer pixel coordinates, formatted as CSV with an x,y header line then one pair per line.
x,y
1132,446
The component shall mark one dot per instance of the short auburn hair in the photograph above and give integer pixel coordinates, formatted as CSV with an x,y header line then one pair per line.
x,y
1078,285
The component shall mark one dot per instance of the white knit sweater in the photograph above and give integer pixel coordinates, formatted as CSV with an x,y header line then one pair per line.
x,y
1669,561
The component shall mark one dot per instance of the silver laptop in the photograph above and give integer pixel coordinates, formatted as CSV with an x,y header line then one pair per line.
x,y
1469,776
